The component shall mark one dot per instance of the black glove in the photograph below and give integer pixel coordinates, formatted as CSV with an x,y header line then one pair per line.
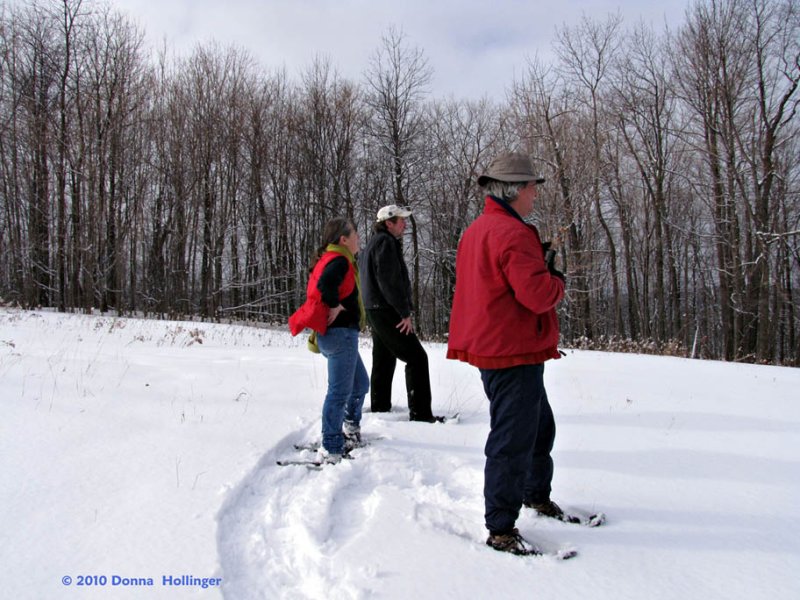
x,y
550,261
549,255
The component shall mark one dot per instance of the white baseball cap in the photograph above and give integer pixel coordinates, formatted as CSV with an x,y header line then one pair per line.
x,y
391,211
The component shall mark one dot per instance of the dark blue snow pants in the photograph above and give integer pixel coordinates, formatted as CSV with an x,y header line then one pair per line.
x,y
518,464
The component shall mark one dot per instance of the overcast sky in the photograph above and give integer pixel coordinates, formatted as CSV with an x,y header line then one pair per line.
x,y
475,47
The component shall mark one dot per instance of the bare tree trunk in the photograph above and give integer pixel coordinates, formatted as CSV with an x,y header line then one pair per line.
x,y
397,80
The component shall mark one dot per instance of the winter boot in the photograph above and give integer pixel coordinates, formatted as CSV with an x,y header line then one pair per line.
x,y
431,419
352,434
327,458
550,509
513,543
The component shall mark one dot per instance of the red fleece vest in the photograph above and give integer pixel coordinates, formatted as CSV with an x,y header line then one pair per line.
x,y
314,312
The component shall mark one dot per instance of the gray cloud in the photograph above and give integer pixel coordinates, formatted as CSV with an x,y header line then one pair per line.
x,y
474,47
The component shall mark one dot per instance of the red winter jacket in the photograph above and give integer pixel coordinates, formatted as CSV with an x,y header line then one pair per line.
x,y
314,312
504,303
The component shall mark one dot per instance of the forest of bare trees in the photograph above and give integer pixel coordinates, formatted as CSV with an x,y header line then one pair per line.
x,y
197,186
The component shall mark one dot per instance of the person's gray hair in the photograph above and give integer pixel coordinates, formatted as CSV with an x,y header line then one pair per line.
x,y
505,190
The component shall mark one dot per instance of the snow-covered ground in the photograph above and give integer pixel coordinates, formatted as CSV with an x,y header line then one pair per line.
x,y
134,451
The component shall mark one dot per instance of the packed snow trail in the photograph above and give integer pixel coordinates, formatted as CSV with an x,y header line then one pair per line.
x,y
291,532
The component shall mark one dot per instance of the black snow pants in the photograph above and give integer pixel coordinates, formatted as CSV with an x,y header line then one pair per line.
x,y
518,463
388,345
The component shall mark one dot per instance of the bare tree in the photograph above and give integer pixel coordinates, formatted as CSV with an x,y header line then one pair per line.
x,y
37,76
587,52
745,109
774,36
646,113
397,81
461,136
542,106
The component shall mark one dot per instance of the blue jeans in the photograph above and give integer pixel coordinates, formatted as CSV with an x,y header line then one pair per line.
x,y
518,463
348,383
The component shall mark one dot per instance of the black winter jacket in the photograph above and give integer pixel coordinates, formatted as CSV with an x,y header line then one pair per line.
x,y
384,275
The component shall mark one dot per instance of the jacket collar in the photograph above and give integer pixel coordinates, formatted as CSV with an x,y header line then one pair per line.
x,y
385,232
494,204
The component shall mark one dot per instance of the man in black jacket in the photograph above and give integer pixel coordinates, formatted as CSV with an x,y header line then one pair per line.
x,y
386,291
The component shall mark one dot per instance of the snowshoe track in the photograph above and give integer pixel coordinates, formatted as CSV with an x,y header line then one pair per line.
x,y
287,525
291,532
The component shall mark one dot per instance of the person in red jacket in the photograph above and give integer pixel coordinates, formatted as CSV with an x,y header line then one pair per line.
x,y
504,322
334,311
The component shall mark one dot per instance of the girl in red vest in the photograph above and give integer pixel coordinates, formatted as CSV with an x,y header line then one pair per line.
x,y
334,311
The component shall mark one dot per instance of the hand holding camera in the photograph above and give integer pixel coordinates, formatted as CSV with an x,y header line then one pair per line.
x,y
550,261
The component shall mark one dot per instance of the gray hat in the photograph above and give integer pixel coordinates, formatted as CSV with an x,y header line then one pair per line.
x,y
513,167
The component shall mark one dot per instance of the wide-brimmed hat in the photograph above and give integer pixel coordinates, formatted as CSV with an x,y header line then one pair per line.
x,y
391,211
513,167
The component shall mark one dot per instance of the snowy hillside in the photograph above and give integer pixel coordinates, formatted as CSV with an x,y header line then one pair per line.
x,y
139,457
